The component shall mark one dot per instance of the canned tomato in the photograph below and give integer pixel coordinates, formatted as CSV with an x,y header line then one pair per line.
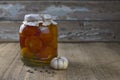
x,y
38,39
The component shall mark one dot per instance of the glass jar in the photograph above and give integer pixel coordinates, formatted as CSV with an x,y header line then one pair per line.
x,y
38,39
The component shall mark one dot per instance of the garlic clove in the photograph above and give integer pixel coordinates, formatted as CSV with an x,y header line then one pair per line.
x,y
60,64
65,65
64,58
65,62
53,63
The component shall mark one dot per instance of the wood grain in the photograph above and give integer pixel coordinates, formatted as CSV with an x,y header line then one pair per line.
x,y
87,61
7,57
64,10
69,31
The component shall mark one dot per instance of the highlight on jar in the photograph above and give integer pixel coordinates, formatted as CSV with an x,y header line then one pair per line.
x,y
38,39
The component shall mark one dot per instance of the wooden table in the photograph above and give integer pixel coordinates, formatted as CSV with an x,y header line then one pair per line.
x,y
87,61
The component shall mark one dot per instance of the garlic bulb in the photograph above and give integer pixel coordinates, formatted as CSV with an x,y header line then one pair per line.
x,y
59,63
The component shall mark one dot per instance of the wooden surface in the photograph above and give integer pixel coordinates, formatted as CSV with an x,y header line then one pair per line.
x,y
64,10
87,61
69,31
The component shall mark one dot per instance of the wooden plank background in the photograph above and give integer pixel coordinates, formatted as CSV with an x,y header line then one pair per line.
x,y
87,61
78,20
69,31
65,10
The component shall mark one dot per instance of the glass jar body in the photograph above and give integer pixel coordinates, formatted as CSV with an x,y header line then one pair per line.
x,y
38,44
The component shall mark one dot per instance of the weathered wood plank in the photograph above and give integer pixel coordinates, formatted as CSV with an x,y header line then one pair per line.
x,y
15,68
87,61
7,56
104,72
69,31
89,31
79,61
64,10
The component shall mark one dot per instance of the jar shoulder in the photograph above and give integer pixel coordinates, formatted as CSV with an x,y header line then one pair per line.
x,y
21,28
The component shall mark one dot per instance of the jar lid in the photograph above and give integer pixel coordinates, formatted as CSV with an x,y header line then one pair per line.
x,y
48,19
47,16
32,17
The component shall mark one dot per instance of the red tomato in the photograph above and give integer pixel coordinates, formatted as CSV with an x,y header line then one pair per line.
x,y
31,31
34,44
46,35
46,53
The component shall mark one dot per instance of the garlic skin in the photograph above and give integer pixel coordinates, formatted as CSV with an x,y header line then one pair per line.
x,y
59,63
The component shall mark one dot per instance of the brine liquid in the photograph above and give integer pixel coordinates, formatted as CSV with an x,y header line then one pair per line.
x,y
38,44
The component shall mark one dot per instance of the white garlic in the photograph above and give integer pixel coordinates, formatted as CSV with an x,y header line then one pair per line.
x,y
59,63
